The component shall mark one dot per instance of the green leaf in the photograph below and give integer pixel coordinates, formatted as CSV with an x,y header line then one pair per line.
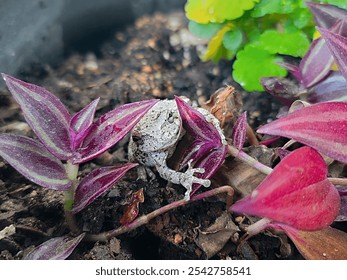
x,y
293,43
254,63
232,40
204,11
266,7
205,31
302,17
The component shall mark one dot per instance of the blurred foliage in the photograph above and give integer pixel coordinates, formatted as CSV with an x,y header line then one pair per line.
x,y
254,33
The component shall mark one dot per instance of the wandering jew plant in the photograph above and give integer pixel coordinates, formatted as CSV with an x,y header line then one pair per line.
x,y
65,141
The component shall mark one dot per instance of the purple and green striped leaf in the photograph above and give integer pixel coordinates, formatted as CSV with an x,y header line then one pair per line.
x,y
322,126
80,123
110,128
337,44
239,131
342,217
45,114
333,88
207,147
97,183
292,68
33,161
316,64
326,15
296,193
281,88
58,248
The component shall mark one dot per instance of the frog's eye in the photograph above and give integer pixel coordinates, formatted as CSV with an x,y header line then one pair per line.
x,y
136,138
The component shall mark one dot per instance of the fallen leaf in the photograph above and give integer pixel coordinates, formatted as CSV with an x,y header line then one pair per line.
x,y
226,105
325,244
214,238
132,208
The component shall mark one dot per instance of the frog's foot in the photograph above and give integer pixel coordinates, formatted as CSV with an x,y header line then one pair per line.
x,y
186,179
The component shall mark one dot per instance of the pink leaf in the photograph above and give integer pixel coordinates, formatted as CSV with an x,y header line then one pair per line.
x,y
110,128
322,126
296,193
207,147
239,131
32,160
338,47
97,183
58,248
45,114
80,123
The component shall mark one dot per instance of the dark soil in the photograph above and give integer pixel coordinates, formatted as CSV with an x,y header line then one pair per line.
x,y
154,57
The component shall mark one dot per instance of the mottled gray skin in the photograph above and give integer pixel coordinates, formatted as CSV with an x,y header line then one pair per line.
x,y
153,140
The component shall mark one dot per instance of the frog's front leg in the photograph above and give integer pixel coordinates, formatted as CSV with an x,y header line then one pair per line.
x,y
186,179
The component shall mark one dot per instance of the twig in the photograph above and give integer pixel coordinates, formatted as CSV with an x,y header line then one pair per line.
x,y
104,236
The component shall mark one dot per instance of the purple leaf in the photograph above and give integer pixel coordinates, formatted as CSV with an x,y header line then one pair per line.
x,y
110,128
207,148
326,15
283,153
342,190
322,126
239,131
32,160
296,193
333,88
80,123
292,68
342,217
58,248
338,47
97,183
282,89
45,114
316,63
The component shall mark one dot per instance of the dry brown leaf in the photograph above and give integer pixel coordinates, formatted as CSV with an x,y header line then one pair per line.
x,y
214,238
326,244
242,177
226,105
132,208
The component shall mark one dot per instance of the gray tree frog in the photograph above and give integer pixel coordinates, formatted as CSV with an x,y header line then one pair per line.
x,y
153,140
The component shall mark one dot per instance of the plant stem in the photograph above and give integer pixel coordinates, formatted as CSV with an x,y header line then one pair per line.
x,y
257,227
104,236
338,181
72,171
241,155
